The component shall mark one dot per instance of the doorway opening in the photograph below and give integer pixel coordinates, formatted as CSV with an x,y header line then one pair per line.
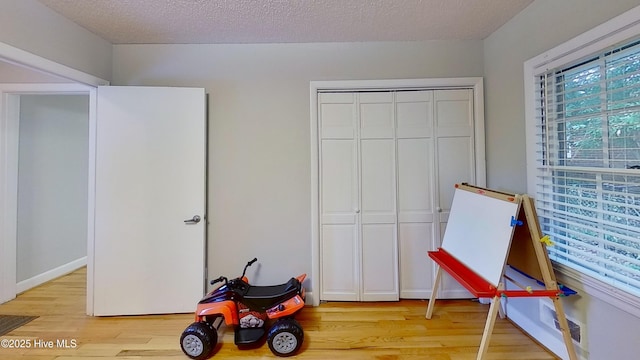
x,y
53,158
45,131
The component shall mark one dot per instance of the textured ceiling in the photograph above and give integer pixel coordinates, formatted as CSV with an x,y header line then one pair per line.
x,y
277,21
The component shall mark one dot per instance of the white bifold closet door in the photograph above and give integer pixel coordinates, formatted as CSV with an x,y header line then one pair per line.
x,y
388,163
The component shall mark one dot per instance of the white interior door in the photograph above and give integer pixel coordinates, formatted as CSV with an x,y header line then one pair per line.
x,y
150,178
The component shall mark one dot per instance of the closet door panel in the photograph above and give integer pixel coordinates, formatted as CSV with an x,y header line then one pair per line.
x,y
338,190
454,143
339,228
415,216
339,254
414,114
378,181
379,265
336,116
454,166
378,198
416,271
454,112
378,217
416,186
339,265
376,115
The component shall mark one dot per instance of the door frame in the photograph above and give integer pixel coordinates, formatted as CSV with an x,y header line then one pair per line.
x,y
316,87
78,83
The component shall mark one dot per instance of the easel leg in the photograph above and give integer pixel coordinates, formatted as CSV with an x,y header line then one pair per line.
x,y
488,327
434,292
546,270
564,328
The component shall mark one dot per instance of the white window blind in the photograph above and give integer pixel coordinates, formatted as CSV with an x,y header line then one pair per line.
x,y
588,164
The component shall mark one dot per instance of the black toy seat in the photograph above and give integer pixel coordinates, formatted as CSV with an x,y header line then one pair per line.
x,y
261,298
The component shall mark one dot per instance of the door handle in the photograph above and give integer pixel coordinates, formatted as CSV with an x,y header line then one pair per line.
x,y
194,220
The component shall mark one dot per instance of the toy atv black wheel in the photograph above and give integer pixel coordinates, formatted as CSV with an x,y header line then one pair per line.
x,y
198,340
285,337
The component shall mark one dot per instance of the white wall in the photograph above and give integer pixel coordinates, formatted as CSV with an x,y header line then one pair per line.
x,y
259,164
52,183
611,333
33,27
14,74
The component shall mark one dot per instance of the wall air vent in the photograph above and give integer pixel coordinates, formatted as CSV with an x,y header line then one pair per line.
x,y
549,317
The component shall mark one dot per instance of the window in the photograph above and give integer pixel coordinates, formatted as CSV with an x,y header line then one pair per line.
x,y
587,163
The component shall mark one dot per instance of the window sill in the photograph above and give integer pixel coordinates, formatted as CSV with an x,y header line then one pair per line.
x,y
583,283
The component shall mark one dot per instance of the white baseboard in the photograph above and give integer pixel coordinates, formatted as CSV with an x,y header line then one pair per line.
x,y
308,298
454,294
415,294
40,279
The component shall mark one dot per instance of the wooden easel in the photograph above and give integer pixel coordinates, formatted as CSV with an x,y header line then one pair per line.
x,y
525,250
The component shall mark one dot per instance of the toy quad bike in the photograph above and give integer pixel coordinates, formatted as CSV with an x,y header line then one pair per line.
x,y
248,309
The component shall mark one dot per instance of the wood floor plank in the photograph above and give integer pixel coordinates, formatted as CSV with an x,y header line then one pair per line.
x,y
381,331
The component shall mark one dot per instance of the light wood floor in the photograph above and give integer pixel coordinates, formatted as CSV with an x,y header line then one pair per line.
x,y
384,331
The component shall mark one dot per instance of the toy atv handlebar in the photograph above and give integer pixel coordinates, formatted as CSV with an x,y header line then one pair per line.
x,y
224,278
246,266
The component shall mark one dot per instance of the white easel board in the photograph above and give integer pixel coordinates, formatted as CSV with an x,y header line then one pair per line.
x,y
479,231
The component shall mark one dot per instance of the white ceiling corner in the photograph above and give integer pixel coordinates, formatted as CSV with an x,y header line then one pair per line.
x,y
286,21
